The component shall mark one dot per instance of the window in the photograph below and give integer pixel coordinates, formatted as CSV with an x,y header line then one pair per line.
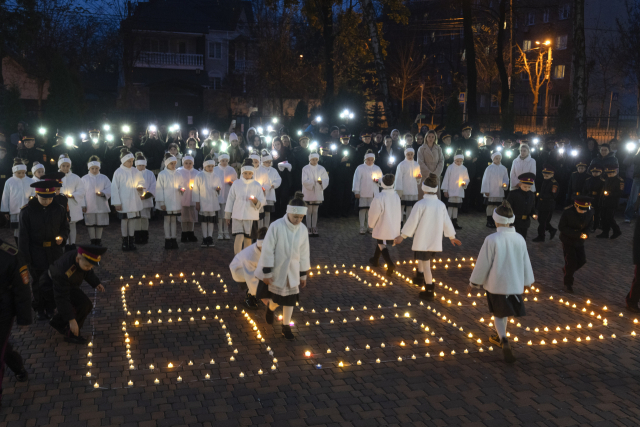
x,y
531,18
558,72
561,42
215,50
216,83
563,11
554,101
526,45
545,15
494,101
483,100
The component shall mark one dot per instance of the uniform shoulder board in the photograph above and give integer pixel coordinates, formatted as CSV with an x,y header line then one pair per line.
x,y
39,149
71,270
11,250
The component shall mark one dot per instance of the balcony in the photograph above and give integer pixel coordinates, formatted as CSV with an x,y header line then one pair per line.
x,y
243,66
179,61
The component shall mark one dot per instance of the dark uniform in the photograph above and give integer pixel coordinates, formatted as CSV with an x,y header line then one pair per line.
x,y
362,147
546,204
329,150
343,178
6,163
577,180
33,154
15,302
523,204
612,190
99,149
593,188
153,150
574,228
634,294
448,151
39,227
387,160
299,159
63,279
484,160
55,152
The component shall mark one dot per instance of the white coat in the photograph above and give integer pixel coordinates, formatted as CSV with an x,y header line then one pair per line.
x,y
407,179
168,191
503,266
495,180
16,194
239,205
188,177
268,177
285,250
244,264
124,189
205,191
385,215
518,167
428,221
93,184
150,187
227,176
310,188
72,184
363,183
178,157
452,178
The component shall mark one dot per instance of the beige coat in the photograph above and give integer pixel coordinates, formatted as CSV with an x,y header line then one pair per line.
x,y
431,160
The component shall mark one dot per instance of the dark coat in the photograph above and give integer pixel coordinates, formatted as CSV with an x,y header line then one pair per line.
x,y
576,183
547,194
15,292
34,154
39,227
153,150
573,224
523,205
636,244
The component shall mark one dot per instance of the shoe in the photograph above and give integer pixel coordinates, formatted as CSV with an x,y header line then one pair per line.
x,y
363,230
419,279
269,316
75,339
374,261
495,340
137,235
603,235
93,241
205,242
490,222
184,237
615,235
568,289
125,244
507,352
286,332
370,231
250,302
42,316
63,329
220,236
538,239
552,233
132,246
99,242
22,376
192,236
227,236
455,224
428,294
168,244
174,243
390,265
144,237
211,242
633,308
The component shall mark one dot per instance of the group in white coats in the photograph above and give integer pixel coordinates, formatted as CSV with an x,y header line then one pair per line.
x,y
127,189
494,182
365,187
17,192
385,214
73,189
455,181
97,191
315,180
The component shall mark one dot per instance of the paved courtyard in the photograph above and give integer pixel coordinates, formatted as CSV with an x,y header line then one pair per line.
x,y
171,344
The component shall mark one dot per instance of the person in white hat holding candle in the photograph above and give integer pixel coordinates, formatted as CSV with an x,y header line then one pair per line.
x,y
494,182
73,189
127,188
315,180
206,188
97,191
168,199
385,215
188,213
243,268
227,175
16,194
407,178
270,180
455,181
365,186
142,235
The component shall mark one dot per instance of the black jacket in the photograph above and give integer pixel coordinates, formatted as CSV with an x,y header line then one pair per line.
x,y
5,171
576,183
362,149
523,205
32,155
344,170
612,190
39,227
593,188
636,244
153,150
547,194
298,159
15,292
388,161
573,224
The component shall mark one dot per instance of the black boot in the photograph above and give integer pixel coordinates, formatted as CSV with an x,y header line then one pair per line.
x,y
455,224
269,316
376,257
390,267
184,237
490,222
146,236
125,244
192,236
538,239
168,243
250,302
427,295
137,236
286,332
99,242
132,246
552,233
93,241
174,244
16,239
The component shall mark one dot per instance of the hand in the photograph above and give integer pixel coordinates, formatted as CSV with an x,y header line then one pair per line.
x,y
320,181
7,216
119,208
357,197
303,283
59,240
272,186
163,207
455,242
229,222
486,194
583,236
398,240
471,289
73,325
446,194
218,189
84,210
69,196
182,190
197,206
100,288
140,189
230,183
99,194
269,281
344,159
534,217
254,201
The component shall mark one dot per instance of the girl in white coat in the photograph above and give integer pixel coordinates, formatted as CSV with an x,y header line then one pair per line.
x,y
188,213
365,186
37,170
315,180
127,188
408,177
73,189
206,189
284,262
385,216
97,191
243,269
455,181
494,182
227,175
174,150
503,268
16,194
168,199
243,206
522,164
270,180
142,235
428,222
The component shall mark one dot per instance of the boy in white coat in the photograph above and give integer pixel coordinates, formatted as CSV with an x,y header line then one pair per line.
x,y
206,188
227,176
270,180
243,268
97,191
168,199
315,180
243,206
188,213
503,269
455,181
126,189
494,182
16,194
365,186
408,177
385,215
142,236
428,222
73,190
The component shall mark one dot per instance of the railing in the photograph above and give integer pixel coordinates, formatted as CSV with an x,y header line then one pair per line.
x,y
243,65
170,60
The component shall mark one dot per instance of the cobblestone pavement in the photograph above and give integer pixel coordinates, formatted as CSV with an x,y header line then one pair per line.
x,y
453,380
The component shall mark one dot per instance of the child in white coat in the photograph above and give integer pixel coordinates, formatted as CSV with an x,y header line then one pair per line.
x,y
243,268
227,176
243,206
73,189
270,180
428,222
168,199
127,188
406,181
365,186
142,235
284,263
385,216
524,163
188,213
494,182
503,269
37,170
315,180
16,194
97,191
455,181
206,189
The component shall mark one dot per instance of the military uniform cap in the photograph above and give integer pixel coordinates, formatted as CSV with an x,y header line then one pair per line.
x,y
92,253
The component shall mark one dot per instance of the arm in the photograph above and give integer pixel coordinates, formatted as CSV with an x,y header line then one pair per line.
x,y
64,225
152,185
483,265
197,186
276,180
231,198
445,181
21,291
528,270
563,227
485,187
92,279
440,165
268,254
449,231
423,166
307,181
356,182
61,294
325,179
398,182
115,191
160,191
375,211
305,262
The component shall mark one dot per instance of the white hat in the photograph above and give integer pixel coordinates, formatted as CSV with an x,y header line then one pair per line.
x,y
126,158
18,168
314,156
502,219
62,160
169,160
233,135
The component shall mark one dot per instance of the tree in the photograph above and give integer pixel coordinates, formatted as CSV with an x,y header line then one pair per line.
x,y
407,66
65,96
604,76
629,53
537,73
470,53
506,107
454,114
14,107
579,71
566,115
